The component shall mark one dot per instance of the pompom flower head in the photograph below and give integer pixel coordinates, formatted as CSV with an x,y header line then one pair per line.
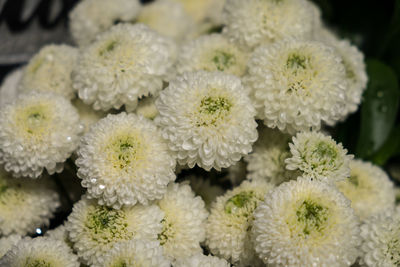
x,y
381,240
25,204
212,53
318,156
91,17
136,252
50,71
123,160
125,63
297,85
254,22
168,18
306,223
38,131
231,217
40,251
207,119
183,222
95,229
369,189
267,161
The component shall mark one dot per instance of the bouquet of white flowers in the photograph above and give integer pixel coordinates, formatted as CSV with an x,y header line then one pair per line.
x,y
201,133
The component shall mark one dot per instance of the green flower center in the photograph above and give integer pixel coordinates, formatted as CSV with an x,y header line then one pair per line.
x,y
223,60
124,151
107,224
212,109
327,153
166,233
296,62
312,216
353,179
210,105
109,47
34,262
243,204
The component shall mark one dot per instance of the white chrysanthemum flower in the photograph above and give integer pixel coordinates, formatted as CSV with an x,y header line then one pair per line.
x,y
319,156
212,53
203,187
147,108
135,253
25,204
296,85
38,131
50,71
87,115
306,223
267,161
167,17
7,243
8,89
183,222
381,240
40,252
95,229
201,260
198,10
124,160
368,188
125,63
91,17
208,119
231,218
254,22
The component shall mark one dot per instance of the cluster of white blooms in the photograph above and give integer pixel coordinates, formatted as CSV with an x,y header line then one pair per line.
x,y
50,70
153,118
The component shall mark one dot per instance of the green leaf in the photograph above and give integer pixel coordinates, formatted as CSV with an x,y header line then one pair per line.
x,y
389,149
379,109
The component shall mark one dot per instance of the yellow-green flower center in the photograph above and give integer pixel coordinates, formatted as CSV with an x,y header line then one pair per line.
x,y
34,121
107,224
312,216
166,233
325,152
124,151
297,61
242,204
223,60
109,47
35,262
212,109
